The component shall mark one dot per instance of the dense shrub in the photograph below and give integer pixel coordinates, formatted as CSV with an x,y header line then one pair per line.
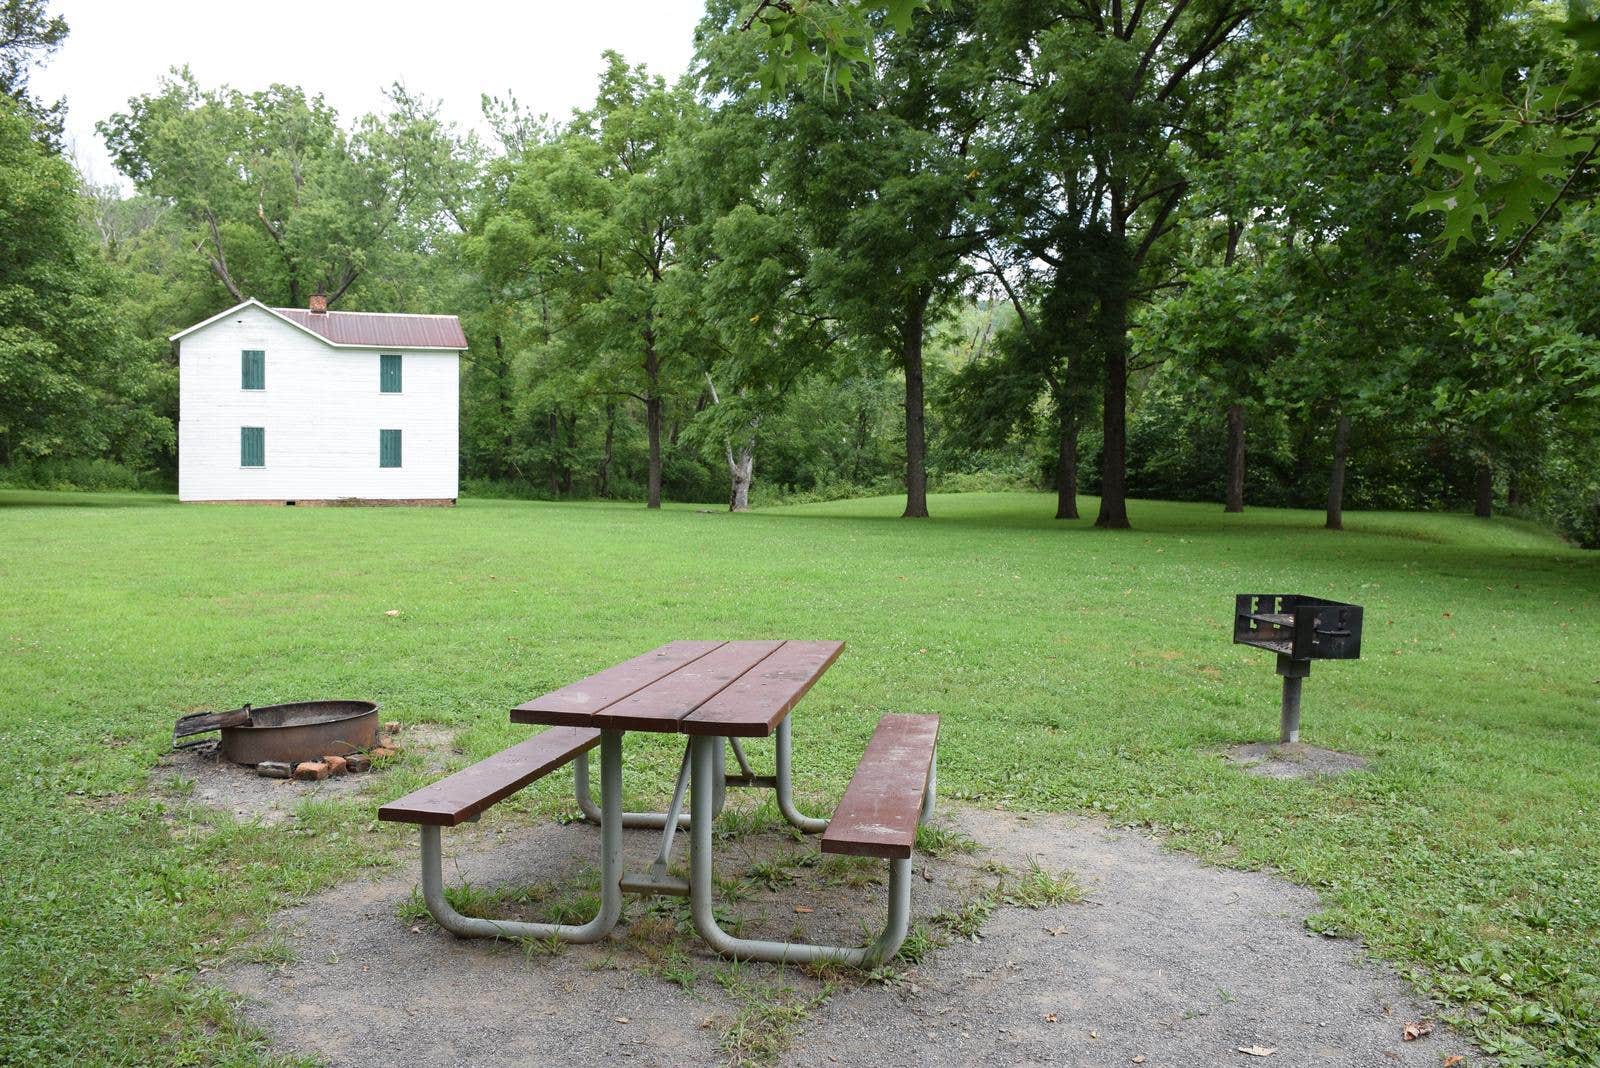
x,y
81,474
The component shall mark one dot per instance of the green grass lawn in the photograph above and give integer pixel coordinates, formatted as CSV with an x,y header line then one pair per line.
x,y
1075,669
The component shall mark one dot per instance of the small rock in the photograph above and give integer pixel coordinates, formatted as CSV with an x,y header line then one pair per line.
x,y
336,765
391,726
382,752
275,769
311,770
357,762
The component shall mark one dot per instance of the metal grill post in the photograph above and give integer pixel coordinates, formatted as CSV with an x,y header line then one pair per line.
x,y
1289,721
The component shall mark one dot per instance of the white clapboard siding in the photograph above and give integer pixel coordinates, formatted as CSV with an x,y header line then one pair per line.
x,y
321,410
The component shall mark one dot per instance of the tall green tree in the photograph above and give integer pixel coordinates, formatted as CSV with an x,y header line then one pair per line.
x,y
1104,101
884,179
29,35
74,380
593,231
281,201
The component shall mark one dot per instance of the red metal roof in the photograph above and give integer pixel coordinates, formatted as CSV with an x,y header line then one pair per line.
x,y
380,329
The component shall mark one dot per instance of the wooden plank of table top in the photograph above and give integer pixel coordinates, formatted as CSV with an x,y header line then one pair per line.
x,y
575,705
659,706
754,705
877,816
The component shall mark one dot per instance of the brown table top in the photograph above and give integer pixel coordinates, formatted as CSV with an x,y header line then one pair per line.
x,y
737,689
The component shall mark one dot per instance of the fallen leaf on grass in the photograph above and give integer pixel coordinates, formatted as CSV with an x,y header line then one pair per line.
x,y
804,908
1416,1029
392,612
1258,1051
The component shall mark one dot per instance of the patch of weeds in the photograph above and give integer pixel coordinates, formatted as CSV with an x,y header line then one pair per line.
x,y
1040,888
770,874
733,888
920,944
275,950
995,868
744,822
936,840
855,872
413,908
543,947
577,907
675,966
968,920
768,1018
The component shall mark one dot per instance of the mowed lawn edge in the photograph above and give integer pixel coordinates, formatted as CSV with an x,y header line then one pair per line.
x,y
1074,669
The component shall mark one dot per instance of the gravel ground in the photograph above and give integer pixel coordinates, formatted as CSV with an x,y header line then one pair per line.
x,y
1167,962
1293,760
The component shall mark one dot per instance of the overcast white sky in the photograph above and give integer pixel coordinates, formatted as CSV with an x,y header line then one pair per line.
x,y
545,51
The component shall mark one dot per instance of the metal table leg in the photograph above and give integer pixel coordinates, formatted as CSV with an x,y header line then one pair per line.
x,y
630,820
701,886
786,785
610,862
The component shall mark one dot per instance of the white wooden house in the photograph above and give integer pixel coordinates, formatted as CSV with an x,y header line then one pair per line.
x,y
310,406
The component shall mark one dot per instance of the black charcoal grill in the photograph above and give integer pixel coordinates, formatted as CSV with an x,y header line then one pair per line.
x,y
1299,629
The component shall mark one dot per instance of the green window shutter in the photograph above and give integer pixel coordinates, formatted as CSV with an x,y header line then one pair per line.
x,y
388,448
252,369
389,375
252,446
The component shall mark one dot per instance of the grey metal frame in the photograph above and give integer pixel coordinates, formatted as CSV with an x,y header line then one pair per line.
x,y
782,783
610,864
702,888
704,766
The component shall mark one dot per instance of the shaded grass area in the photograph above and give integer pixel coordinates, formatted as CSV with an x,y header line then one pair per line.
x,y
1074,669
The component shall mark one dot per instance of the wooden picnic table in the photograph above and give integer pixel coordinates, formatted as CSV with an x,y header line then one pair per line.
x,y
732,689
715,693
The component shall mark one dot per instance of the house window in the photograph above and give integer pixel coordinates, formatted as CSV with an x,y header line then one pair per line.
x,y
389,375
388,448
252,369
252,446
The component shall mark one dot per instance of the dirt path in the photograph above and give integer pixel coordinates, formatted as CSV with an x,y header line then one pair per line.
x,y
1166,960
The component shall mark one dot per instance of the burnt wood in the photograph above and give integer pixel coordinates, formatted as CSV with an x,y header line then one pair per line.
x,y
659,706
469,791
575,705
754,705
877,817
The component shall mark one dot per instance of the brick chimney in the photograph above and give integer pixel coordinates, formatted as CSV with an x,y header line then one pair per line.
x,y
319,304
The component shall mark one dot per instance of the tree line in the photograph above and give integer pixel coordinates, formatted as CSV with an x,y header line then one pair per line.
x,y
1292,253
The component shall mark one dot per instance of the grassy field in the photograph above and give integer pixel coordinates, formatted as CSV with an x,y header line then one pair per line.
x,y
1075,669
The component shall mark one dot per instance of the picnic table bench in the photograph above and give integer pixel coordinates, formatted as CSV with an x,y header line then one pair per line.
x,y
714,693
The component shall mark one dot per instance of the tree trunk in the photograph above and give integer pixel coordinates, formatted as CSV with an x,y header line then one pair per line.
x,y
604,489
569,450
1235,501
652,416
741,468
1484,506
916,444
1514,490
1114,460
553,476
1341,454
1067,468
